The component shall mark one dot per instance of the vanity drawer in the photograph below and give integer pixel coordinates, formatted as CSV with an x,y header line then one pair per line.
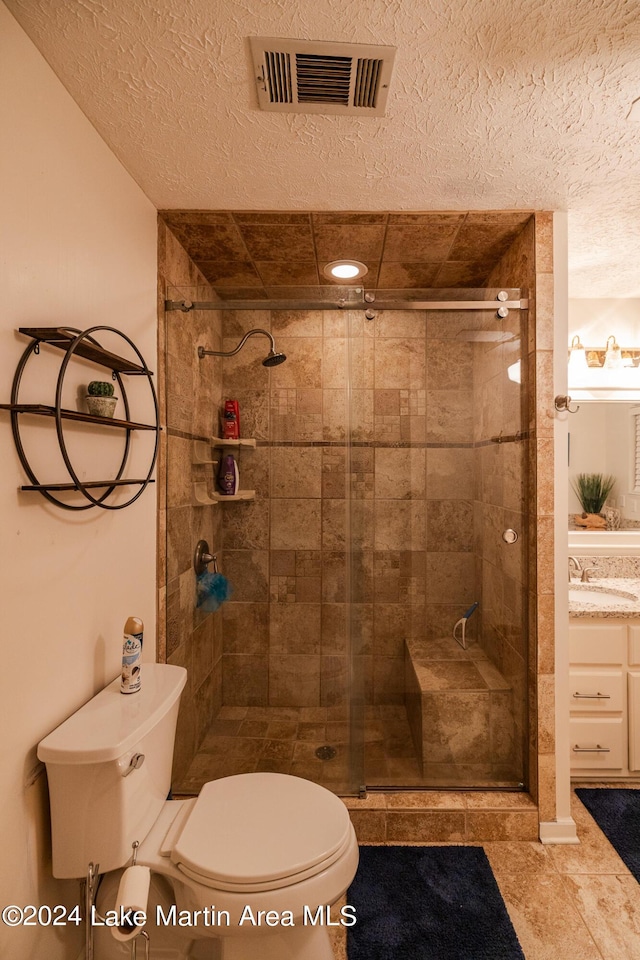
x,y
597,643
600,691
596,744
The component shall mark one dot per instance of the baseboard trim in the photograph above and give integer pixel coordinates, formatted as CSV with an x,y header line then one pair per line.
x,y
559,831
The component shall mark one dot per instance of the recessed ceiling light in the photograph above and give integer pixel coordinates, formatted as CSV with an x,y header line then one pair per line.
x,y
345,270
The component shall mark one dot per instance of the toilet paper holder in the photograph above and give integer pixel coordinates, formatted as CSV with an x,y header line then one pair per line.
x,y
134,945
143,933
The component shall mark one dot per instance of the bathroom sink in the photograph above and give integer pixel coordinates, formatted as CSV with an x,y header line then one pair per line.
x,y
604,597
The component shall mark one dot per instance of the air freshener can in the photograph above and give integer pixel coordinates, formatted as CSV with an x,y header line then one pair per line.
x,y
131,679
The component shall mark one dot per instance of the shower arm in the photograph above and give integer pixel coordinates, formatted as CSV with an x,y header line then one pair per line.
x,y
220,353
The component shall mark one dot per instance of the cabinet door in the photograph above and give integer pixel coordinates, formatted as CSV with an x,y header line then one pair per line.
x,y
596,744
634,719
634,646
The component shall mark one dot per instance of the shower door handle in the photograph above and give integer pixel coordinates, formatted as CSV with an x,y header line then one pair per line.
x,y
509,535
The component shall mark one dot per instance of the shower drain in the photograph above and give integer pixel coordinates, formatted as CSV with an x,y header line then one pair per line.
x,y
326,753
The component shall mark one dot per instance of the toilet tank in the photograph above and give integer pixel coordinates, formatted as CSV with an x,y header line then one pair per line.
x,y
102,796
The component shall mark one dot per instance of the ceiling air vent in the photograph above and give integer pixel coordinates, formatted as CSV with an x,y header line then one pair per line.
x,y
303,76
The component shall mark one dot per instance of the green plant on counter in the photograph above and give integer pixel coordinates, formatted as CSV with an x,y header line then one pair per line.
x,y
592,490
100,388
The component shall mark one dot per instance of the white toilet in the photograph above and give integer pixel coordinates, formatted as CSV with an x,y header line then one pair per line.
x,y
246,845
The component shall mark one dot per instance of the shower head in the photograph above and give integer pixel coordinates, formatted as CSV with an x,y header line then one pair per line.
x,y
272,359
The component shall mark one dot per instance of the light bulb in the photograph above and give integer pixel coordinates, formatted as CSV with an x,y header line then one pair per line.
x,y
345,270
613,356
578,365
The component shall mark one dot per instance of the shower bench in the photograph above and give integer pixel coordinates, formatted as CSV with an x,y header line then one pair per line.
x,y
460,712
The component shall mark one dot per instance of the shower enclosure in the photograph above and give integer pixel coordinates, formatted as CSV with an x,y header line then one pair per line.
x,y
385,491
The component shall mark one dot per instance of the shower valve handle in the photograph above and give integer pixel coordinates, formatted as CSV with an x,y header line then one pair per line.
x,y
202,558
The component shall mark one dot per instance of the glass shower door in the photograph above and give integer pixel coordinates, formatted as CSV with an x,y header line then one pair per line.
x,y
438,452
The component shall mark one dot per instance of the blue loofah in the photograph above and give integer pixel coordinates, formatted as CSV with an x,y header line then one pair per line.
x,y
212,589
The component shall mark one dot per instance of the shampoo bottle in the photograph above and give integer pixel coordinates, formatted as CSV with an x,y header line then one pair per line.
x,y
228,478
131,680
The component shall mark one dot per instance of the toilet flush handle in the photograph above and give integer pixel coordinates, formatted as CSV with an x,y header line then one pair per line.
x,y
134,764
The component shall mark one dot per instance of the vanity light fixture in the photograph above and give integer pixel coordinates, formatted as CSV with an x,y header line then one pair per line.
x,y
607,374
613,355
577,359
345,270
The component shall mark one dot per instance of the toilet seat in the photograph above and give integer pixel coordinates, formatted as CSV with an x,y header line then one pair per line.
x,y
261,831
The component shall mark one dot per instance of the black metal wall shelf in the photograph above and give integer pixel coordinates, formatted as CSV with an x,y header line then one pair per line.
x,y
82,343
72,486
64,338
42,410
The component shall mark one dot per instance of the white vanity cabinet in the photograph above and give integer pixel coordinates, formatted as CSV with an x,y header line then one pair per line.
x,y
604,698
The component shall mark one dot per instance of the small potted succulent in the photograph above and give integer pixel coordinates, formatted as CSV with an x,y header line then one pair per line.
x,y
100,399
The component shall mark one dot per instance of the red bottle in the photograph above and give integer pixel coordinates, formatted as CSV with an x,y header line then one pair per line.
x,y
231,420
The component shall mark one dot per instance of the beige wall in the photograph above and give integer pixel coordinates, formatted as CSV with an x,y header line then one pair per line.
x,y
595,320
78,247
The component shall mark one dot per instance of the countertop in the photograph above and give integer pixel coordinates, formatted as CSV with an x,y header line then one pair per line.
x,y
584,608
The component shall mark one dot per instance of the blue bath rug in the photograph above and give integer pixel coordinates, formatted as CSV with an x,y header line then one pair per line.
x,y
428,903
616,810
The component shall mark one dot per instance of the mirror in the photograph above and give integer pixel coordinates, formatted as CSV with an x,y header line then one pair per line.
x,y
604,437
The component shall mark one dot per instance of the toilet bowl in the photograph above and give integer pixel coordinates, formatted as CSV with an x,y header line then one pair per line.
x,y
255,861
248,870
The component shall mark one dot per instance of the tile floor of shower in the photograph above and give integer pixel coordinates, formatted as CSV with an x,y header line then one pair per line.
x,y
285,740
442,680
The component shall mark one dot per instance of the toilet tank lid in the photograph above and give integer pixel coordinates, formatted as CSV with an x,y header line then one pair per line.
x,y
111,723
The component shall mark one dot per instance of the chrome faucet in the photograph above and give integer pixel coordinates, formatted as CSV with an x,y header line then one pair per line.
x,y
573,561
583,571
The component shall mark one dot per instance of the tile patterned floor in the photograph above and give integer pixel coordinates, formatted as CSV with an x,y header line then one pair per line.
x,y
574,902
284,740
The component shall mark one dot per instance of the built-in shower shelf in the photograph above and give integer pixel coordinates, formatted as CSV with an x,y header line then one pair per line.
x,y
202,448
202,498
223,442
202,452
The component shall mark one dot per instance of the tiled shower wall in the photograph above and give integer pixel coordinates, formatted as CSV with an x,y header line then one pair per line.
x,y
411,512
529,263
189,395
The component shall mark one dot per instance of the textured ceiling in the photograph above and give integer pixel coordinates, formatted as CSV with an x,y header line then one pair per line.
x,y
494,105
256,254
